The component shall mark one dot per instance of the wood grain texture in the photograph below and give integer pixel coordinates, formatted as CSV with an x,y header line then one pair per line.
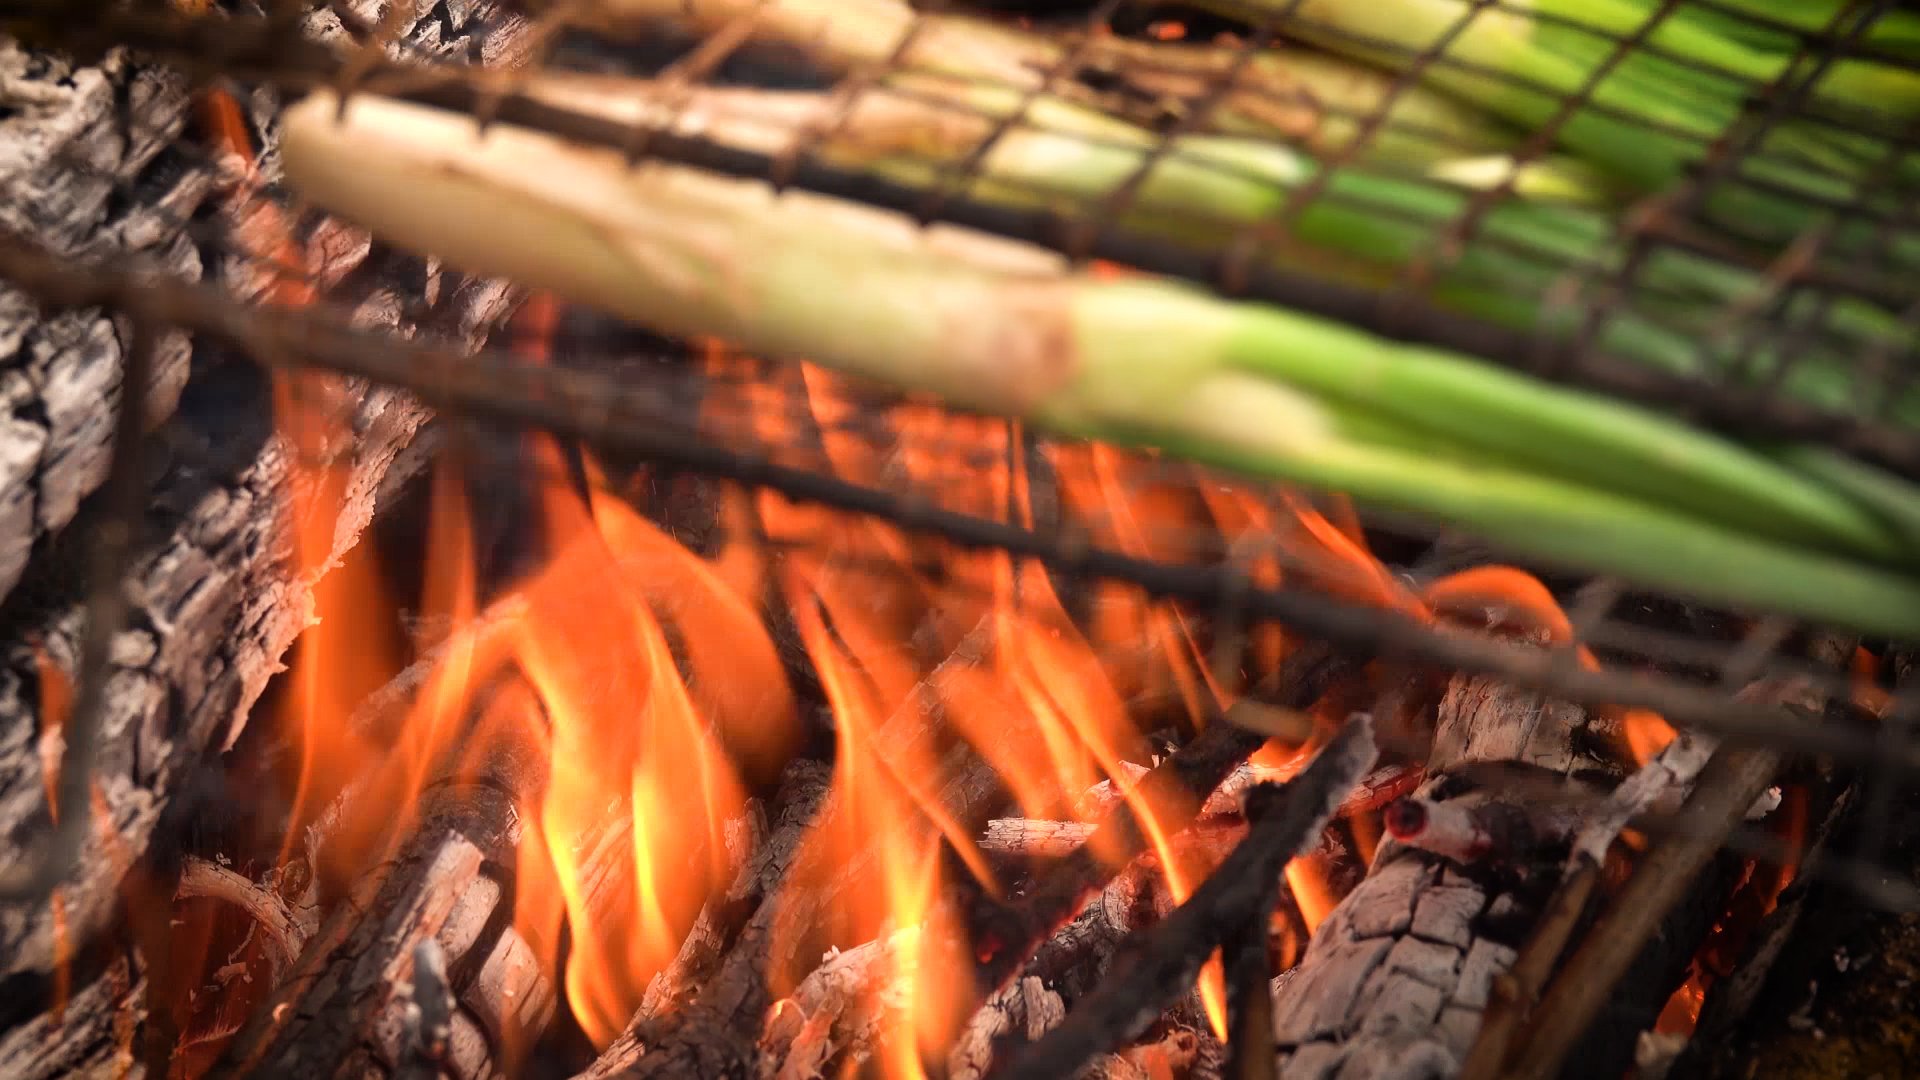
x,y
217,599
1396,978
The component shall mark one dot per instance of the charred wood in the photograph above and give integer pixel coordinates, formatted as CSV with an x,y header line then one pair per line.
x,y
1379,788
1156,968
1598,1003
284,927
714,1034
90,161
1823,989
106,155
1659,920
1007,935
217,606
343,1010
1397,976
100,161
95,1035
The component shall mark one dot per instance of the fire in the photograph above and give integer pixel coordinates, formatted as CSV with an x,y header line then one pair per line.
x,y
643,682
1004,667
637,674
1309,893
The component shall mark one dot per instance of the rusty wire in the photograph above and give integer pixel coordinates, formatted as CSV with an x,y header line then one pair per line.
x,y
248,52
640,421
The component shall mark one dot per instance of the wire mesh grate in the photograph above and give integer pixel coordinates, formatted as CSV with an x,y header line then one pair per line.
x,y
1219,159
1666,293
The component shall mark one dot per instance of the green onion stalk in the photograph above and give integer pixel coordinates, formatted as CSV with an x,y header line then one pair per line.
x,y
1673,104
995,325
842,33
1753,43
1324,104
1775,27
1315,100
1211,188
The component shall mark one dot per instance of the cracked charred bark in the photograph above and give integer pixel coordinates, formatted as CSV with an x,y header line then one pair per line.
x,y
88,162
97,163
1397,977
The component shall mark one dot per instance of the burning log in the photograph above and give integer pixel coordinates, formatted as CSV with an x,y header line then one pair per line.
x,y
95,161
847,991
342,1012
1401,969
1375,791
713,1034
218,609
94,1035
1809,995
1008,936
111,164
1407,966
1220,824
1025,1006
1156,968
67,147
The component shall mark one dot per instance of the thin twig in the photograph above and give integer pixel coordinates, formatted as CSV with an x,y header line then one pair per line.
x,y
429,1015
112,542
1664,780
1514,993
285,929
1154,969
1727,788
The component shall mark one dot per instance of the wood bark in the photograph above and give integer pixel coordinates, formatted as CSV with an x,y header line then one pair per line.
x,y
97,162
1396,978
89,165
342,1011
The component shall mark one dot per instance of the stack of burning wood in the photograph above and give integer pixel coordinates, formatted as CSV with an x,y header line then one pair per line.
x,y
694,762
113,161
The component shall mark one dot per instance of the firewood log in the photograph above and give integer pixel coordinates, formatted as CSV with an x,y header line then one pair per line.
x,y
113,170
1399,972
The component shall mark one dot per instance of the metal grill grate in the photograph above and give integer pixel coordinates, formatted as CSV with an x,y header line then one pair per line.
x,y
1640,262
1747,294
1742,260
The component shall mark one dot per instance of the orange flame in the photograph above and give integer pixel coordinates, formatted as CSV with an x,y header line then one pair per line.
x,y
56,705
638,676
644,681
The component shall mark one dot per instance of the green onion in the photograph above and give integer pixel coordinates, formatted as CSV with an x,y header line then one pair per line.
x,y
1665,113
1003,327
1209,188
1311,99
1741,47
1894,31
